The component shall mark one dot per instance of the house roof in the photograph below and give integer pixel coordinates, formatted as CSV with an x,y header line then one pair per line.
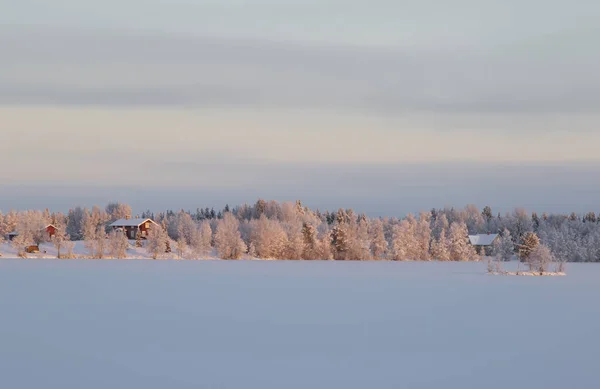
x,y
131,222
482,239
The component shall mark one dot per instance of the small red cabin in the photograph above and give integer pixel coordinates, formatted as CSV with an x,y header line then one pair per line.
x,y
50,230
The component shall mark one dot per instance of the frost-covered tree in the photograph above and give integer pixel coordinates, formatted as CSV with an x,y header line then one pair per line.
x,y
157,242
309,239
519,224
340,240
92,221
359,240
379,245
117,245
590,217
60,240
528,244
440,224
267,238
294,244
181,247
3,227
403,241
116,211
20,242
228,241
75,223
539,259
96,242
423,237
31,227
504,248
474,219
487,213
460,247
205,238
440,247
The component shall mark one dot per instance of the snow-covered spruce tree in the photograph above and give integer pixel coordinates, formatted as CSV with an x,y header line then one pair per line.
x,y
379,245
340,240
156,242
487,213
519,223
117,245
310,241
228,241
504,248
440,224
75,223
528,244
460,248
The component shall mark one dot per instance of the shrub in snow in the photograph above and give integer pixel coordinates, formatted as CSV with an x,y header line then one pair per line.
x,y
67,252
540,259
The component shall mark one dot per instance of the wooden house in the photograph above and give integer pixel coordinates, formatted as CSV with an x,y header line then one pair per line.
x,y
132,227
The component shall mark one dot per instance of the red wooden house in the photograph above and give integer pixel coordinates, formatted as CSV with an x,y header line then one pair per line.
x,y
133,227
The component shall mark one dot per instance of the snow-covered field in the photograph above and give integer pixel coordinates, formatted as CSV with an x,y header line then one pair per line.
x,y
290,324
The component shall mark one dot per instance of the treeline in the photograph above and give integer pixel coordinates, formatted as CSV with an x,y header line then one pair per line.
x,y
273,230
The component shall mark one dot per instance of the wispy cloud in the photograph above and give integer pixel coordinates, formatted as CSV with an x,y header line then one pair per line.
x,y
83,68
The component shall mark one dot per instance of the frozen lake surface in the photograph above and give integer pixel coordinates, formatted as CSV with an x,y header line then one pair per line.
x,y
281,325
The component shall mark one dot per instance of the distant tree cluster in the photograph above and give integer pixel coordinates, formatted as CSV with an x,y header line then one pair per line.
x,y
273,230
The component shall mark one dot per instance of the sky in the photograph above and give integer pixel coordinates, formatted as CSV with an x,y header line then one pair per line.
x,y
385,106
